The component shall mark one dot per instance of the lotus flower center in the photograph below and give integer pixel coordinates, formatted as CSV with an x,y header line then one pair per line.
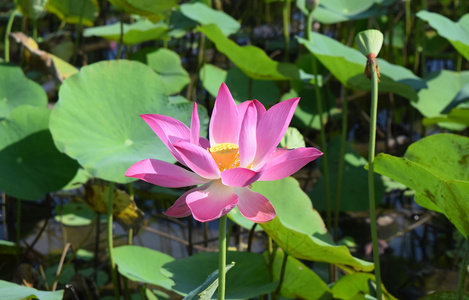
x,y
226,155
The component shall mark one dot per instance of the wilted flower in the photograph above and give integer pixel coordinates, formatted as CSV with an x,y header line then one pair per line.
x,y
242,149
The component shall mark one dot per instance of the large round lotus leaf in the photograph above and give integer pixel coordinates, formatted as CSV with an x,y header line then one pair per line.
x,y
334,11
138,32
76,12
248,278
456,33
96,120
263,90
168,65
142,264
32,9
348,65
205,15
16,90
31,164
13,291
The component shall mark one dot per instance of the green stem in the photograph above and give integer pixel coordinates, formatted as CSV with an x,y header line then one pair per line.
x,y
221,257
7,33
462,273
18,222
371,184
109,240
121,37
286,26
340,174
282,276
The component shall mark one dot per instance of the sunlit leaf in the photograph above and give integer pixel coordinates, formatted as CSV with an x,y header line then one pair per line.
x,y
138,32
205,15
32,9
300,282
142,264
253,61
440,177
12,291
17,90
29,157
356,286
249,278
348,65
456,33
335,11
153,10
75,12
242,88
74,214
457,115
460,98
96,119
292,139
168,65
207,289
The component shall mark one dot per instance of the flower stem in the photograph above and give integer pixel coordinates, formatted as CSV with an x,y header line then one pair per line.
x,y
221,258
371,184
109,240
7,36
286,27
462,273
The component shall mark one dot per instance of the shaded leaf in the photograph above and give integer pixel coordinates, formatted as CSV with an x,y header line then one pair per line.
x,y
458,116
12,291
75,12
335,11
208,288
153,10
356,286
461,97
32,9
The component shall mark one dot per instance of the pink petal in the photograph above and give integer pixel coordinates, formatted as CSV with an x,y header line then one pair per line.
x,y
254,206
204,143
195,126
272,127
260,109
288,162
247,136
240,177
180,209
164,174
169,130
212,203
198,160
224,125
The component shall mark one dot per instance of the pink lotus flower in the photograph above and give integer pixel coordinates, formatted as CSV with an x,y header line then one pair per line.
x,y
242,149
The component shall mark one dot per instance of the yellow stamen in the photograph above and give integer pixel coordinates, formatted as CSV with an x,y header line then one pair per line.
x,y
226,155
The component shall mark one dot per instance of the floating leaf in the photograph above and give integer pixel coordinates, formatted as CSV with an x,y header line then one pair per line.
x,y
440,177
354,286
168,65
136,33
142,265
443,87
124,209
75,12
263,90
248,279
354,194
153,10
96,119
29,157
13,291
347,65
299,230
253,61
74,214
17,90
300,282
456,33
205,15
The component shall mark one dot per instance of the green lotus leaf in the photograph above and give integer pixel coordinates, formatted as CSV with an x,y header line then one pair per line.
x,y
335,11
461,98
249,277
29,157
75,12
142,264
17,90
32,9
457,116
205,15
253,61
96,119
168,65
153,10
13,291
138,32
348,65
263,90
354,286
440,177
456,33
206,290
